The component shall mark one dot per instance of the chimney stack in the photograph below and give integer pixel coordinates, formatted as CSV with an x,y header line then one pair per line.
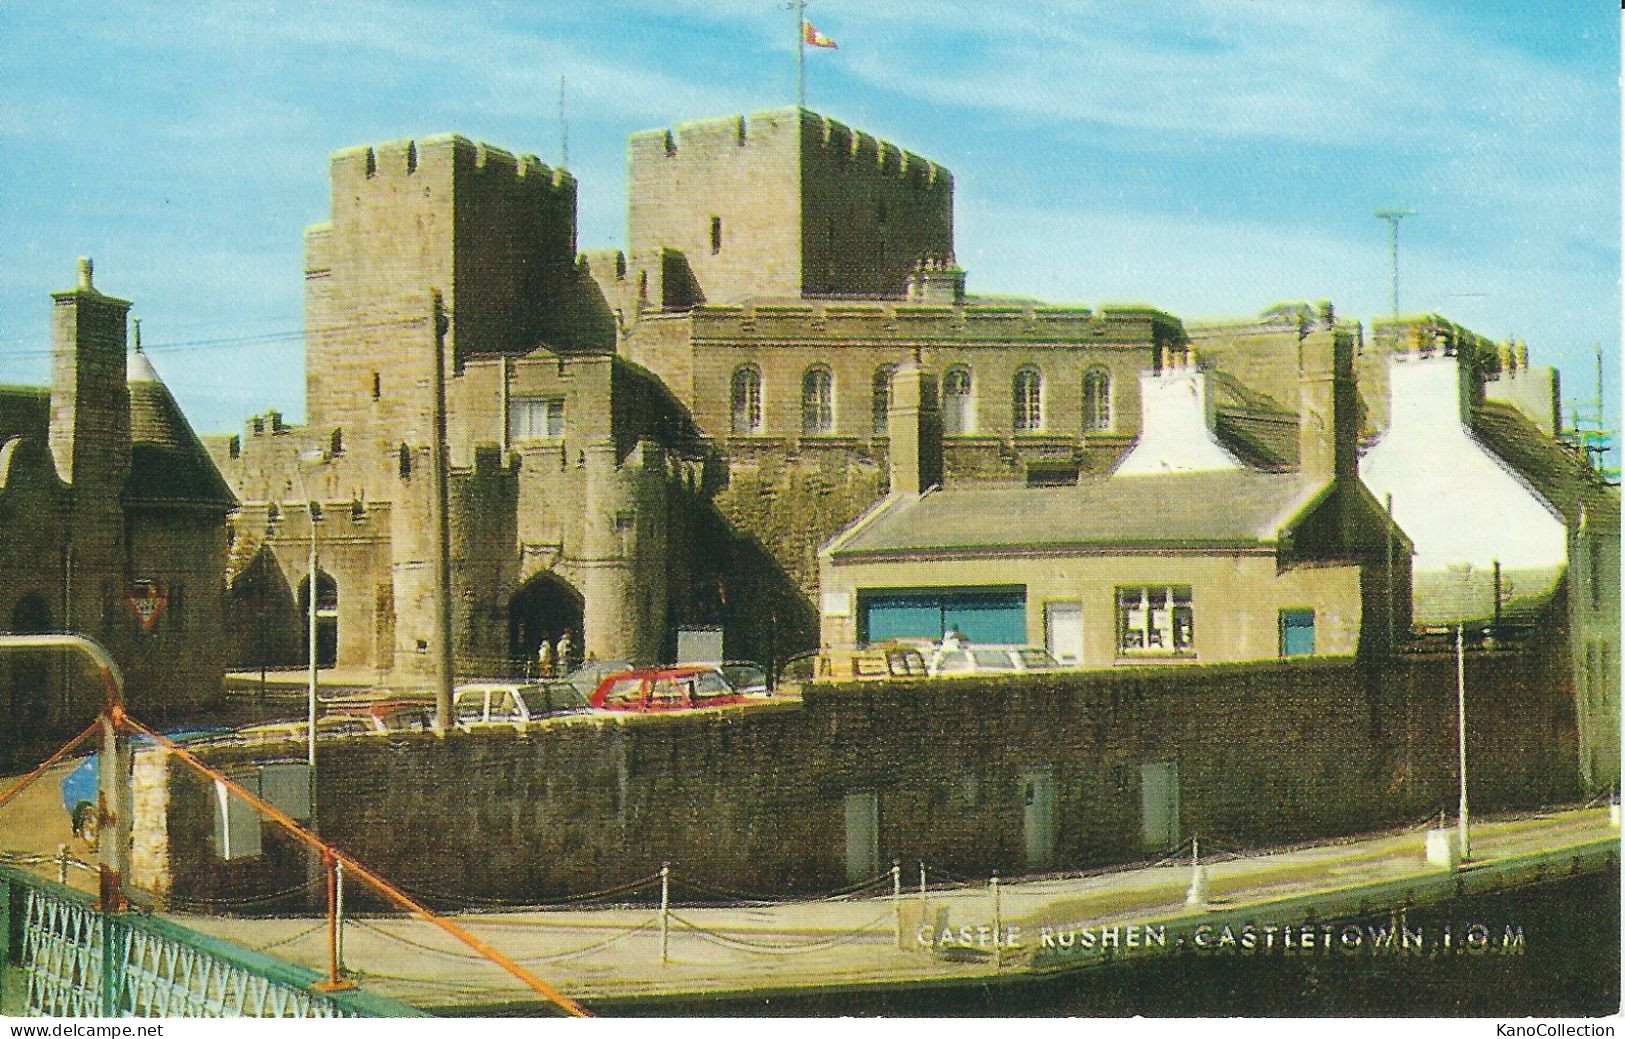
x,y
1327,423
914,430
90,397
1176,421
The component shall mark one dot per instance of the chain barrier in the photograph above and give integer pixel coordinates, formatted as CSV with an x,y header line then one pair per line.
x,y
451,954
739,899
477,904
845,938
203,904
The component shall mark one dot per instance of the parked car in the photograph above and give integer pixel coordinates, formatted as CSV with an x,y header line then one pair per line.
x,y
968,660
845,665
745,677
514,702
586,677
298,728
79,785
387,714
666,689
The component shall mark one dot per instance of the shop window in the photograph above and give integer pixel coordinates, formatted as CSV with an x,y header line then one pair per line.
x,y
536,418
1297,633
1155,619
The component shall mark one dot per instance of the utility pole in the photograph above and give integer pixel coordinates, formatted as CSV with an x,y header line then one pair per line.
x,y
1394,216
444,667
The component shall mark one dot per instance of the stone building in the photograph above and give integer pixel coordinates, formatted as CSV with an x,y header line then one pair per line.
x,y
1182,554
114,526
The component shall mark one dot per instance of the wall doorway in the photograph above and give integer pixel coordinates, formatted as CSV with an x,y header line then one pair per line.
x,y
1159,804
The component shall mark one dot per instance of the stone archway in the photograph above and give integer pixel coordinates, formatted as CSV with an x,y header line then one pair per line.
x,y
543,609
327,618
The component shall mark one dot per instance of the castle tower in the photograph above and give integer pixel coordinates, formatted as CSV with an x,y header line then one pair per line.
x,y
491,232
784,203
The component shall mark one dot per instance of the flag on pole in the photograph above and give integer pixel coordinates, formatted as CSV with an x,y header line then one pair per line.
x,y
813,38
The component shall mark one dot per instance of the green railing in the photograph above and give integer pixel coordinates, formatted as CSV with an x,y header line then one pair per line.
x,y
76,961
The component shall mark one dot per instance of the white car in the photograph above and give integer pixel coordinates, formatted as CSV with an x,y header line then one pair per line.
x,y
973,659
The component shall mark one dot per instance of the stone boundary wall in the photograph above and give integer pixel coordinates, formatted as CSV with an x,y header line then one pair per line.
x,y
753,798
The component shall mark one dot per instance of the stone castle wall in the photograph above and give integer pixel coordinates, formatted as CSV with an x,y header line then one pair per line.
x,y
753,798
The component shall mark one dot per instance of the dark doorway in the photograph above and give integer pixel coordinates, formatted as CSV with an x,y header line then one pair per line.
x,y
542,610
327,618
30,671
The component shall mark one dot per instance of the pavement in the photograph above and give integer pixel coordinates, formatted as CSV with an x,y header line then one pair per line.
x,y
602,955
610,950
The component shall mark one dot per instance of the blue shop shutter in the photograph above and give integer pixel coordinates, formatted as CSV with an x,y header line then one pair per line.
x,y
981,616
901,617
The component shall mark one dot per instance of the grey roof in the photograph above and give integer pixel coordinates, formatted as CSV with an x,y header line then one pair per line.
x,y
1210,509
167,463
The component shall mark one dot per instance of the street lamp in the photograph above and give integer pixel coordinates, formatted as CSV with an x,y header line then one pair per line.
x,y
312,508
1466,571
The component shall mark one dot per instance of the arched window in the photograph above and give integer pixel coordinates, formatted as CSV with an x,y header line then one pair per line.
x,y
880,399
817,401
1097,399
746,396
957,416
1027,400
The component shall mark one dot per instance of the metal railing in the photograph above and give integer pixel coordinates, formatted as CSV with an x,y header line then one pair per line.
x,y
78,961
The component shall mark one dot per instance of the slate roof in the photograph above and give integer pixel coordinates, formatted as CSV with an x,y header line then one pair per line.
x,y
1559,475
168,465
1206,509
24,411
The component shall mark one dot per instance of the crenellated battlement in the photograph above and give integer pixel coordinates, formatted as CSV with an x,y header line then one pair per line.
x,y
992,324
774,131
441,157
836,139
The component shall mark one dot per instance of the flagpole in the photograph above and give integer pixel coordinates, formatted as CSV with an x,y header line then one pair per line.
x,y
801,53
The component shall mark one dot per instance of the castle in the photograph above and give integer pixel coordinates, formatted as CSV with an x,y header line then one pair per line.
x,y
660,437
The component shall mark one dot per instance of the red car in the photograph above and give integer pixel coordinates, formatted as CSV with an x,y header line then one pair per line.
x,y
664,689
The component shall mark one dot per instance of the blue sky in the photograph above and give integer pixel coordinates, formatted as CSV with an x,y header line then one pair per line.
x,y
1206,156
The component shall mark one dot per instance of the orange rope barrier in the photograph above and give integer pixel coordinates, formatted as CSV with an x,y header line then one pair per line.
x,y
382,886
22,784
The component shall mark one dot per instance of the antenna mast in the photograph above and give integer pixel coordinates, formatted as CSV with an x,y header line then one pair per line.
x,y
1394,216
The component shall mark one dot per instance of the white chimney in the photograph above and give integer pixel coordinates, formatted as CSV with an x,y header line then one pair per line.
x,y
1176,423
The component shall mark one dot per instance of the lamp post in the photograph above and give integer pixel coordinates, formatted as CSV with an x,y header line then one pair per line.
x,y
1461,712
312,509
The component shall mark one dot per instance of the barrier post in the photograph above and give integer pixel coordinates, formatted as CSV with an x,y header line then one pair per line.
x,y
998,921
334,982
897,901
665,910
